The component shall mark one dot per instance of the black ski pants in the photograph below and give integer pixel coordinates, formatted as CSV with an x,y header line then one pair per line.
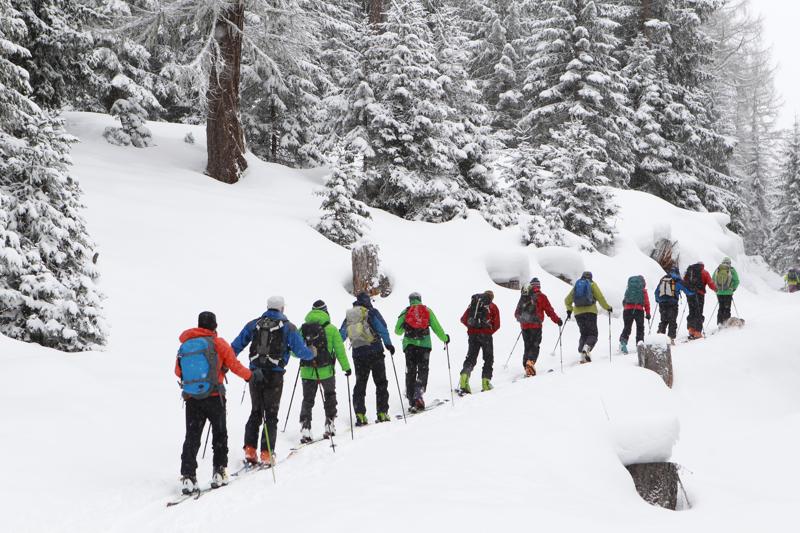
x,y
587,325
265,400
417,366
628,316
475,343
696,304
310,391
668,309
197,412
532,339
365,364
724,312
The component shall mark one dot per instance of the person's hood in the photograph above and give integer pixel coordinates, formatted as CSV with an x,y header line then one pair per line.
x,y
196,332
414,302
363,300
318,315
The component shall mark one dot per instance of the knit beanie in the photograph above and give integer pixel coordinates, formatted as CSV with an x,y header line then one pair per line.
x,y
207,320
320,305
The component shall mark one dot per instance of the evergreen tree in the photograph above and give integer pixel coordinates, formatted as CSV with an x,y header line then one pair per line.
x,y
344,219
784,244
574,76
576,159
47,289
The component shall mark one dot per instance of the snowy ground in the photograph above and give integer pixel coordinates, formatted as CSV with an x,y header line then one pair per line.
x,y
92,441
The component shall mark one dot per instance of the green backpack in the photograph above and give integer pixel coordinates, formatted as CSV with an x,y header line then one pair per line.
x,y
634,294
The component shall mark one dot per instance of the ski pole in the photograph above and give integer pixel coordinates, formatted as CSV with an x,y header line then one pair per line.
x,y
291,400
512,349
678,328
709,319
206,444
609,336
322,393
558,342
269,447
561,350
653,319
244,389
449,376
399,394
350,408
734,306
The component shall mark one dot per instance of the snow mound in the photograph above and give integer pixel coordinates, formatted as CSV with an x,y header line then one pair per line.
x,y
644,438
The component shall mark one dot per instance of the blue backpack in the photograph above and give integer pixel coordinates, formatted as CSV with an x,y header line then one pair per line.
x,y
199,368
583,296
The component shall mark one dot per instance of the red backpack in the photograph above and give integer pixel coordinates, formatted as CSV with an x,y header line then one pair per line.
x,y
417,321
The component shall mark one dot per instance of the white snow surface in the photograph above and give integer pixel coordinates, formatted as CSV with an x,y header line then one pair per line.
x,y
91,441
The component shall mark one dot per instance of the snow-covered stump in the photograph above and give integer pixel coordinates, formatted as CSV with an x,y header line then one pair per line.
x,y
665,254
656,483
655,354
367,276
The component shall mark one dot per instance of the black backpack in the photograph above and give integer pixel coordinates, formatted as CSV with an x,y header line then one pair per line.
x,y
314,335
527,309
479,311
793,276
694,278
267,344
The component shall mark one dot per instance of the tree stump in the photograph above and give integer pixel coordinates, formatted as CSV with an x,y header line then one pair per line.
x,y
656,357
367,276
664,254
656,483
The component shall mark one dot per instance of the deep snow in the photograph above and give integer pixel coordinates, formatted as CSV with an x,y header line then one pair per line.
x,y
92,441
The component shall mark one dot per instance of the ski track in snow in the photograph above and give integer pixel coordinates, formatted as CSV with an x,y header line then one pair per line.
x,y
102,431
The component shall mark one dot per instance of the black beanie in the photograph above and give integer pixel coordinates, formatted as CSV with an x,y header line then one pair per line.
x,y
207,320
319,304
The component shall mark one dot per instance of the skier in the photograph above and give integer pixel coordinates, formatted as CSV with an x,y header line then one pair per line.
x,y
319,372
792,279
482,319
271,338
532,306
696,280
205,399
635,306
415,323
584,295
667,295
368,356
727,280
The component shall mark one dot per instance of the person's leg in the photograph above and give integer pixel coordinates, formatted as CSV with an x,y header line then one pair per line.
x,y
487,347
412,369
381,382
253,425
669,313
360,388
329,388
527,342
195,421
309,387
473,346
536,342
638,316
627,322
272,392
216,414
701,303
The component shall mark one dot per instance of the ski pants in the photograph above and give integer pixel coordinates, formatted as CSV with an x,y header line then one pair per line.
x,y
696,304
479,342
724,312
265,400
364,364
310,390
668,309
531,338
417,366
792,287
197,412
628,316
587,325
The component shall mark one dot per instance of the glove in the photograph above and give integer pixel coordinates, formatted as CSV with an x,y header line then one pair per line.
x,y
647,316
314,349
390,348
348,372
560,323
569,314
256,375
610,310
448,338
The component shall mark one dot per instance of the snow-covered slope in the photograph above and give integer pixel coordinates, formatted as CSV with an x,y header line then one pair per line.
x,y
92,441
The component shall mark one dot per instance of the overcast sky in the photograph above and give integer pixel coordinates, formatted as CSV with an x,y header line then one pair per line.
x,y
781,19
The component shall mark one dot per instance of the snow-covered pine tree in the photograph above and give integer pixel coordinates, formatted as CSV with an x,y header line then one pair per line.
x,y
132,116
576,159
574,75
784,243
47,289
343,221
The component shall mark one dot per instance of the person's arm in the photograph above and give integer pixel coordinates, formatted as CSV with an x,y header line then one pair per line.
x,y
465,318
335,340
646,302
707,279
568,300
399,329
243,339
598,295
379,324
437,328
547,308
735,279
343,330
495,318
295,343
229,360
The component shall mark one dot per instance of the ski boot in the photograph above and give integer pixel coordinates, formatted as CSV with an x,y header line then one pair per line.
x,y
189,485
530,368
585,354
250,454
361,419
330,430
383,417
305,434
219,478
623,347
463,386
486,384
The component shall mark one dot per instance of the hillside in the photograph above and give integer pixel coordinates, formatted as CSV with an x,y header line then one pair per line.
x,y
92,441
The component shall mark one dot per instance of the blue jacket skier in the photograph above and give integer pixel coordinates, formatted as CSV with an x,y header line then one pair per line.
x,y
668,293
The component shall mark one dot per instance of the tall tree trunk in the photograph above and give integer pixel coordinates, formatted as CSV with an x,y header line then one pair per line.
x,y
224,131
376,12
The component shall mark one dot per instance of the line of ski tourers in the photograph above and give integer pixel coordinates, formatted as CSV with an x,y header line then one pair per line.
x,y
204,358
